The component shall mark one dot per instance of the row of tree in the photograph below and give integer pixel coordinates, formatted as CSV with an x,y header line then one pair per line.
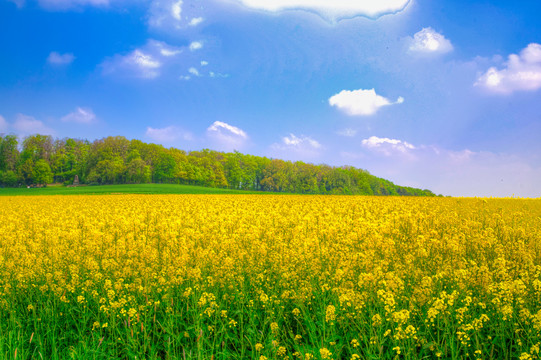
x,y
41,160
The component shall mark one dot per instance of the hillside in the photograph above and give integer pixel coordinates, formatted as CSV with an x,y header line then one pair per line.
x,y
41,160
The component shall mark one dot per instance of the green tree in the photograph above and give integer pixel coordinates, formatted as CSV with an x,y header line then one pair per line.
x,y
37,147
8,178
137,171
42,174
164,170
9,153
25,172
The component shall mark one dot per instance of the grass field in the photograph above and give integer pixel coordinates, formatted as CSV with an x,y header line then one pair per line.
x,y
120,189
269,277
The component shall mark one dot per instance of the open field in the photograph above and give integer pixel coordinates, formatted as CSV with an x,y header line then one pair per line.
x,y
120,189
269,277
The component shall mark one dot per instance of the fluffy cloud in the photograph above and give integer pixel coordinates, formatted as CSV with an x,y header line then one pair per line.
x,y
195,21
164,13
360,102
194,71
191,72
176,9
297,142
173,15
196,45
332,10
3,125
387,146
168,52
81,116
55,58
138,62
27,125
297,147
168,134
227,137
521,73
145,62
428,41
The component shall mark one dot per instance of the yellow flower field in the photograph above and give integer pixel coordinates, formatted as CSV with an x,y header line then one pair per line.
x,y
269,277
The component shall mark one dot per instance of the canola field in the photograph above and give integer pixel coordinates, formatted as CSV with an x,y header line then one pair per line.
x,y
269,277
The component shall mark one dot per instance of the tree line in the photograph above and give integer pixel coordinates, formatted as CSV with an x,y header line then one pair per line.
x,y
41,160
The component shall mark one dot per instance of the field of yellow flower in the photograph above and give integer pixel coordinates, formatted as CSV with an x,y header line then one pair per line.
x,y
269,277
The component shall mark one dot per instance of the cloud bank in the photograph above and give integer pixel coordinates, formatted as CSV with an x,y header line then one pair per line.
x,y
522,72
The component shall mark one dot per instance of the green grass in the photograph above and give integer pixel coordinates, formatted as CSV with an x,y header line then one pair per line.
x,y
121,189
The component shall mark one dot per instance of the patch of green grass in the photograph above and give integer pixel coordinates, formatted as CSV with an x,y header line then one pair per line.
x,y
121,189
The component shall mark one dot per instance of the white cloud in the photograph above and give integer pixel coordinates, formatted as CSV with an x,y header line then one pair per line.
x,y
167,52
195,21
27,125
347,132
55,58
332,10
428,41
521,73
145,62
80,115
212,74
168,134
297,142
138,62
176,9
196,45
194,71
226,136
387,146
173,15
3,125
360,102
295,147
165,13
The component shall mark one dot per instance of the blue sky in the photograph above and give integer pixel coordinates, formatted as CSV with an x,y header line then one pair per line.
x,y
444,95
